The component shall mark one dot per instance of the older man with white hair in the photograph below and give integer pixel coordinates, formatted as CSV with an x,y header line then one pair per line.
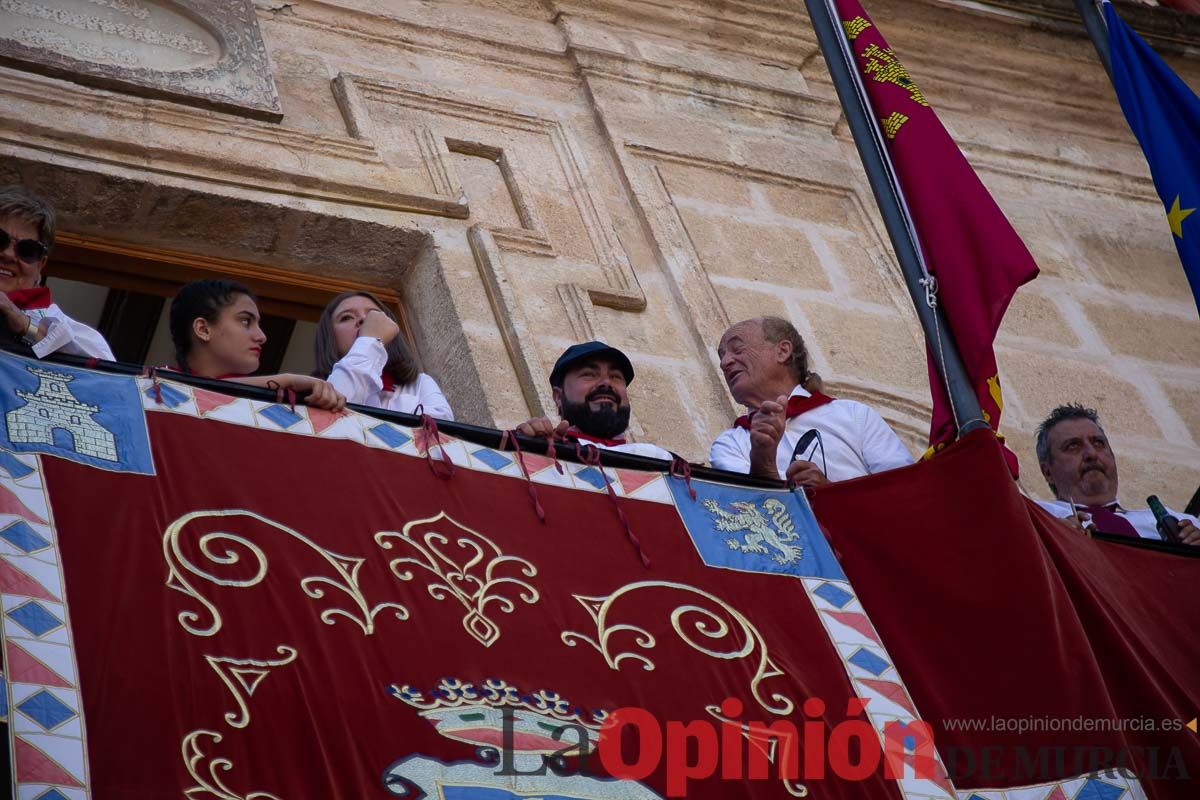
x,y
789,431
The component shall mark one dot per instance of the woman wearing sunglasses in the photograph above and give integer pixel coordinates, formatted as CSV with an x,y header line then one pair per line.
x,y
215,329
27,311
359,350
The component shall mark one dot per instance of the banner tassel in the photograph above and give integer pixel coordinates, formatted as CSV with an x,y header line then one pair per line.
x,y
445,469
505,439
590,455
680,468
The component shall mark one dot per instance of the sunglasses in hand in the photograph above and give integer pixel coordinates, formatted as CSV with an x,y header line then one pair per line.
x,y
31,251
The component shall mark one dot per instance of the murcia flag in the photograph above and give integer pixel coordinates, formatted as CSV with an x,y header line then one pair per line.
x,y
969,246
1165,116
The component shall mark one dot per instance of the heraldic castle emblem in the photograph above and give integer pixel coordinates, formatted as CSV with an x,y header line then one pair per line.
x,y
769,530
53,407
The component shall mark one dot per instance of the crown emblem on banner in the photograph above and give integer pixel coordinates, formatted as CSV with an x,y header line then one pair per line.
x,y
541,722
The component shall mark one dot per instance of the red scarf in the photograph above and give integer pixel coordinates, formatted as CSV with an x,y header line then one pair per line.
x,y
578,435
25,299
796,405
389,383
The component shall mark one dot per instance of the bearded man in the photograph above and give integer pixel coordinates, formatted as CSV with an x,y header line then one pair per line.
x,y
590,382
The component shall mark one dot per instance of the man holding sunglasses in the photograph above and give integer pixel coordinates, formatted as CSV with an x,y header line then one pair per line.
x,y
26,310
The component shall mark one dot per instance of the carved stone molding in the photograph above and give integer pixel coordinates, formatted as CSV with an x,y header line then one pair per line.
x,y
1164,27
436,139
208,53
47,118
531,236
620,288
760,29
441,29
514,329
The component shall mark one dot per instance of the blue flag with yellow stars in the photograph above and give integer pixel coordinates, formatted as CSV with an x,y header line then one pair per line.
x,y
1165,116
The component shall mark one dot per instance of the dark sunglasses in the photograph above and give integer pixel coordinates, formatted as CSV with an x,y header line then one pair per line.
x,y
31,251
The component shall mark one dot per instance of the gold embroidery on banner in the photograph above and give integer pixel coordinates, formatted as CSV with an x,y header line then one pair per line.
x,y
884,67
775,745
449,705
180,567
993,384
243,675
210,785
854,27
893,123
472,579
709,625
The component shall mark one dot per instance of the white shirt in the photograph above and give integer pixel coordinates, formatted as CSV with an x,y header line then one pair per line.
x,y
855,439
645,449
67,336
1141,519
359,377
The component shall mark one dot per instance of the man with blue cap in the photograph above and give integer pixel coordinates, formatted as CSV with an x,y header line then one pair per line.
x,y
590,383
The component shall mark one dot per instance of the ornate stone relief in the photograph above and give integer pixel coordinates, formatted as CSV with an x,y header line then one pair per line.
x,y
202,52
432,118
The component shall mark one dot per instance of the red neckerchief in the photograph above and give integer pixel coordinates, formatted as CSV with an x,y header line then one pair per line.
x,y
796,405
25,299
389,383
575,433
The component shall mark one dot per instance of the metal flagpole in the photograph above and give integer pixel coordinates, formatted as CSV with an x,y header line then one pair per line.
x,y
922,287
1097,29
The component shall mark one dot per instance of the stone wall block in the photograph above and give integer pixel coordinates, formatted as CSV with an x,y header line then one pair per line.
x,y
1042,382
1185,400
1133,258
1153,337
1034,316
872,275
304,91
875,349
813,204
707,185
1140,477
659,394
738,248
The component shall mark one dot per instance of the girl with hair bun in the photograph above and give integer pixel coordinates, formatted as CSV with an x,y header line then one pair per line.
x,y
215,330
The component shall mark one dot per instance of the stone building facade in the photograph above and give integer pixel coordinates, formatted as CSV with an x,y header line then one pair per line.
x,y
530,173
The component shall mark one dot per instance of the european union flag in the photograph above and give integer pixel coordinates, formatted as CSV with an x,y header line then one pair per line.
x,y
1165,116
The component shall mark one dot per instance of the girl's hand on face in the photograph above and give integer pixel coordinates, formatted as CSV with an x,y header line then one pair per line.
x,y
380,326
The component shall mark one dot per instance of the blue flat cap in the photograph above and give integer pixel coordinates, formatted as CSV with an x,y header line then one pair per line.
x,y
578,352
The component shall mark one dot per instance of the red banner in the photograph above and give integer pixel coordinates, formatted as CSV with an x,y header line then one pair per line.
x,y
1030,648
969,246
213,597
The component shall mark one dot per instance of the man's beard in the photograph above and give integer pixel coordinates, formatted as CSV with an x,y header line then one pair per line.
x,y
607,423
1095,482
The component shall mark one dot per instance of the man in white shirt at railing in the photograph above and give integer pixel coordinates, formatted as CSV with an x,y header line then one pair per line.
x,y
1081,469
790,432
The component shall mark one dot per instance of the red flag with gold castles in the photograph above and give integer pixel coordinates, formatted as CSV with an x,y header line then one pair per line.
x,y
969,245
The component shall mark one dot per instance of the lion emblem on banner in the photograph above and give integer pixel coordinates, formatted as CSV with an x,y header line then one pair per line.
x,y
769,530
